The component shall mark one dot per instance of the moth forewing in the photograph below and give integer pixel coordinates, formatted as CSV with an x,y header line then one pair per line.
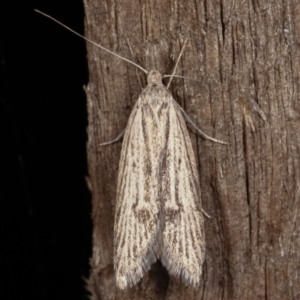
x,y
183,231
138,221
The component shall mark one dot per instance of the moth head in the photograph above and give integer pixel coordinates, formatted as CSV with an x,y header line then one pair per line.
x,y
154,77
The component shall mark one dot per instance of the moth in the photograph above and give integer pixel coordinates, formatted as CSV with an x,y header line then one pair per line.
x,y
158,207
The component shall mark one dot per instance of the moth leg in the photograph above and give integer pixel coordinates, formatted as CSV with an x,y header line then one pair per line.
x,y
114,140
133,57
199,131
205,213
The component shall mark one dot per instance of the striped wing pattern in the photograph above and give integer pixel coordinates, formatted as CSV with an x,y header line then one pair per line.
x,y
158,209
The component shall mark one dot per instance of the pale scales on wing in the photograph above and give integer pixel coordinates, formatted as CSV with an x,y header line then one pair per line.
x,y
158,210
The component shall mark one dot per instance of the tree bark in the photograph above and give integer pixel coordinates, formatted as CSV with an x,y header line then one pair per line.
x,y
245,56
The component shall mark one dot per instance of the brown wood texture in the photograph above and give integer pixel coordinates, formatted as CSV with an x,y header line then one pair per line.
x,y
245,56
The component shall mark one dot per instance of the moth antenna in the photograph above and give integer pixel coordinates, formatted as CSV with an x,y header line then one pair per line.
x,y
177,63
88,40
133,57
178,76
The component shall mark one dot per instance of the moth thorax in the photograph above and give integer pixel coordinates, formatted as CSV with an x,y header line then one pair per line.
x,y
154,77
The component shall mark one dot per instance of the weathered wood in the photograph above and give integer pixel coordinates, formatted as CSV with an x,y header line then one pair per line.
x,y
246,56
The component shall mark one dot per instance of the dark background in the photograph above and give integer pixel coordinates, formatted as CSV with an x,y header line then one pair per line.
x,y
45,204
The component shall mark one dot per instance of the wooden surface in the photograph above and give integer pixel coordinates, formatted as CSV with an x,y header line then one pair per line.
x,y
245,56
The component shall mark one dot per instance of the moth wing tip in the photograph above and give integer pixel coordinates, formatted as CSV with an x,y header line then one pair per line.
x,y
121,282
